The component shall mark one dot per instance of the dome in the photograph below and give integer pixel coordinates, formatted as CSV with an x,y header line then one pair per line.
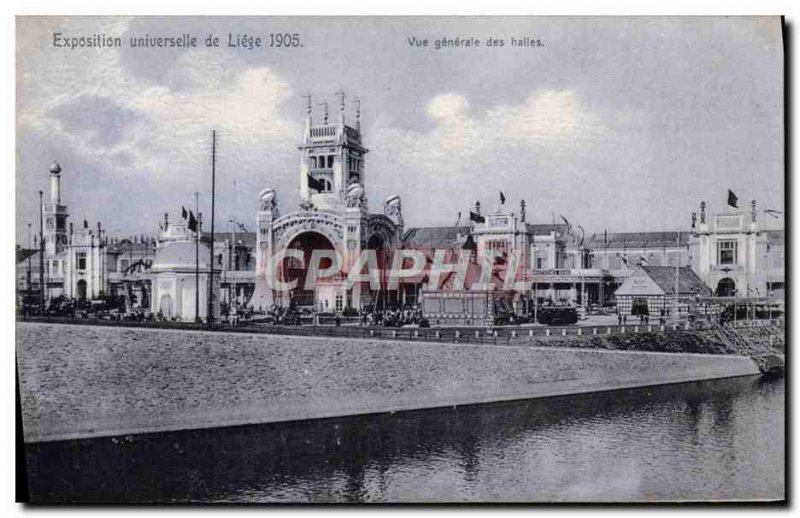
x,y
355,190
267,195
55,168
393,200
179,255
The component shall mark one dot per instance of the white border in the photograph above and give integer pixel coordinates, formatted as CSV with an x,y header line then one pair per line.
x,y
318,7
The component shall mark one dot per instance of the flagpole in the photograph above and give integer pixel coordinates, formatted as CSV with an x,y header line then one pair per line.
x,y
677,266
41,254
209,314
196,265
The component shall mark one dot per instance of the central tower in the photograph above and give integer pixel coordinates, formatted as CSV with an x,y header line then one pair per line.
x,y
333,216
331,159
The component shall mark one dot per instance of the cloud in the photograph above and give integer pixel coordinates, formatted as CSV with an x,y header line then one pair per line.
x,y
122,131
98,118
469,156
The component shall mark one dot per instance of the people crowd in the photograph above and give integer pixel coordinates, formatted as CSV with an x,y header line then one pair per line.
x,y
394,317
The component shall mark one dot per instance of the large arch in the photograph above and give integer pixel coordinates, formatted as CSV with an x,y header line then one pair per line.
x,y
293,270
726,287
287,228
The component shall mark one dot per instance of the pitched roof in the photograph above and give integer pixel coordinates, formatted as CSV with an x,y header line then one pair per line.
x,y
688,281
24,253
543,229
434,237
247,239
639,239
126,245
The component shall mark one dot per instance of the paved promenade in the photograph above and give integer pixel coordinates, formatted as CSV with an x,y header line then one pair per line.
x,y
85,381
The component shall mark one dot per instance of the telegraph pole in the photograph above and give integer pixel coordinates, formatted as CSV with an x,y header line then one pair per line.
x,y
196,265
30,254
677,287
41,255
209,314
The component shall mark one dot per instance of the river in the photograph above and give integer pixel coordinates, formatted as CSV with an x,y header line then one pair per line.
x,y
711,440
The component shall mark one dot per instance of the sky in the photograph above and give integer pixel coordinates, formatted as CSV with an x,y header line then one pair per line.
x,y
623,124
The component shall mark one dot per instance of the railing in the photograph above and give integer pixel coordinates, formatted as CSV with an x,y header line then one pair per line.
x,y
323,131
238,275
321,171
505,335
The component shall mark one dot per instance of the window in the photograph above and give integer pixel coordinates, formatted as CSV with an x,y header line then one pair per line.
x,y
726,252
81,258
123,265
339,302
497,244
330,161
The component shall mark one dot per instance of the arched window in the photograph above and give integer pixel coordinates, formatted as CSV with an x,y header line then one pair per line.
x,y
726,288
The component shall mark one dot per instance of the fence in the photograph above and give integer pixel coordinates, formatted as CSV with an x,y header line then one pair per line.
x,y
498,335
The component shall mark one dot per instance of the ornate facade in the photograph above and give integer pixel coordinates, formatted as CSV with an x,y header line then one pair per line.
x,y
333,215
729,251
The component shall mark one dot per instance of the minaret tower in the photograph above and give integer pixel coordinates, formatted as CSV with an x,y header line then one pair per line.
x,y
331,160
55,215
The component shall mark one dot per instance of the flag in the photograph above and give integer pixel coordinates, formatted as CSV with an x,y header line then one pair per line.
x,y
469,243
732,199
477,218
315,184
184,215
605,237
772,213
694,219
569,226
502,198
192,222
85,224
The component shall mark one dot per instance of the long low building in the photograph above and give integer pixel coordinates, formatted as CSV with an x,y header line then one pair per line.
x,y
561,265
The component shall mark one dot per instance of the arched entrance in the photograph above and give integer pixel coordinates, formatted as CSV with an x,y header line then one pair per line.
x,y
292,269
81,290
726,288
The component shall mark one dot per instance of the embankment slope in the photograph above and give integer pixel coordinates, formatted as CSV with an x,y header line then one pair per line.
x,y
86,381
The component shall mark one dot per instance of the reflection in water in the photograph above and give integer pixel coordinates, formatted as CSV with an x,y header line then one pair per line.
x,y
706,440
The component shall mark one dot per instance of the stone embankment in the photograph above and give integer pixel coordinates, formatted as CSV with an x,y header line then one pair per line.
x,y
88,381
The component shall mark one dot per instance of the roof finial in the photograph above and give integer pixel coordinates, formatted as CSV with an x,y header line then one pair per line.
x,y
325,104
357,102
340,93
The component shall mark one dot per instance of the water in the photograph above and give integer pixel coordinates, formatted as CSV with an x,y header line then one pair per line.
x,y
715,440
